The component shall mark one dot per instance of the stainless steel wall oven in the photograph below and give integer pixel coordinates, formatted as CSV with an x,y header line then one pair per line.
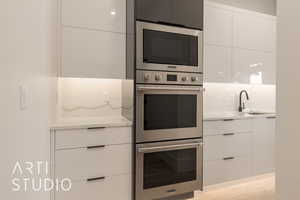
x,y
168,168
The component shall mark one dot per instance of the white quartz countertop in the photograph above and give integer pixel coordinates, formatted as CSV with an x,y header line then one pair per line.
x,y
236,115
81,123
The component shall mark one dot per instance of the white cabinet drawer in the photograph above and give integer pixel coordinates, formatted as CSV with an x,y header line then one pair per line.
x,y
219,146
108,15
83,163
223,127
111,188
85,137
220,171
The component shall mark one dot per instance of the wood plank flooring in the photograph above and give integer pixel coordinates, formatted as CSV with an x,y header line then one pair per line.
x,y
261,189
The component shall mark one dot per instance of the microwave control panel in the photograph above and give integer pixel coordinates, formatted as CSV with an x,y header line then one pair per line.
x,y
169,78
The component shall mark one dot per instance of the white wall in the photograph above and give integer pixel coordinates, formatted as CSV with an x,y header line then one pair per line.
x,y
264,6
288,98
224,98
84,98
26,57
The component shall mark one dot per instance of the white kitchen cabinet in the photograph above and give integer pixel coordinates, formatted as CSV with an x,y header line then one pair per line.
x,y
93,39
217,63
97,160
240,45
238,149
110,188
254,31
250,66
107,15
220,171
263,146
218,25
92,54
228,145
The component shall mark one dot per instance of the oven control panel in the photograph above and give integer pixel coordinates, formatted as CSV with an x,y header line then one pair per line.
x,y
176,78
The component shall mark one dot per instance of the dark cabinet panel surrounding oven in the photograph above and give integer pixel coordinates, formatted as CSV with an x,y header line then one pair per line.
x,y
168,111
170,167
188,13
170,48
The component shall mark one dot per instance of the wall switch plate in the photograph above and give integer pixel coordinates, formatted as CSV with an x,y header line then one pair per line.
x,y
23,97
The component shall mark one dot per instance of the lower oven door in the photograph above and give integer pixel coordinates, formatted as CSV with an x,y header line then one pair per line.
x,y
166,112
168,169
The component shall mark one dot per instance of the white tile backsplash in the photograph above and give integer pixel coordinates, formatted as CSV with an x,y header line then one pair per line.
x,y
224,97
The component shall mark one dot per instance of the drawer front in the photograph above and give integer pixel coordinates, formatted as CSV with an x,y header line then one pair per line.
x,y
114,188
92,137
82,164
221,171
222,127
220,146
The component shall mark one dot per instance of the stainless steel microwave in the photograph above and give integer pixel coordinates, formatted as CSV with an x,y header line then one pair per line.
x,y
168,48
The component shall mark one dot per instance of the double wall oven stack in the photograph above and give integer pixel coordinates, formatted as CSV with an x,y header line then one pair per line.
x,y
169,98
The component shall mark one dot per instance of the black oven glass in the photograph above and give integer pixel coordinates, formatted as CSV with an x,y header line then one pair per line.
x,y
163,111
169,167
170,48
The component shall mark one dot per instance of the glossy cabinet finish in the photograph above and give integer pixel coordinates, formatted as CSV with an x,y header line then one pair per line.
x,y
92,54
107,15
96,160
264,142
240,45
238,149
218,26
217,62
93,39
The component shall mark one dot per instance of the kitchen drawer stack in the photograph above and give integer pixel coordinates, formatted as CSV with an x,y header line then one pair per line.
x,y
97,160
227,150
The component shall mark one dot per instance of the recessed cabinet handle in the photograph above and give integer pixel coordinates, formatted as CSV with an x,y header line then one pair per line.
x,y
96,128
228,158
227,120
96,147
228,134
271,117
95,179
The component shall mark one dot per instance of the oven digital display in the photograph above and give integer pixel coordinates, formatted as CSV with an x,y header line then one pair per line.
x,y
171,77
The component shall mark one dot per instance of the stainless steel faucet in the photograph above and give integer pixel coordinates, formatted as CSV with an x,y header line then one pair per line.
x,y
242,104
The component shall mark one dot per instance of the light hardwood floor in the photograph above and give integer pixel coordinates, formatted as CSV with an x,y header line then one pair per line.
x,y
260,189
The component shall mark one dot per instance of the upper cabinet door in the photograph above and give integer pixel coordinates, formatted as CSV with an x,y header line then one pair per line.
x,y
254,31
188,13
217,63
218,26
92,54
254,67
108,15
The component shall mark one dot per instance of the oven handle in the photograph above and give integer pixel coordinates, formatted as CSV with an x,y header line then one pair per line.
x,y
169,147
170,88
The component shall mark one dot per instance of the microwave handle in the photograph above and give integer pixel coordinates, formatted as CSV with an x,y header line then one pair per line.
x,y
169,147
170,88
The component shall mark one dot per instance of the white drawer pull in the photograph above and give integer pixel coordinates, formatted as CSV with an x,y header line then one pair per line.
x,y
95,179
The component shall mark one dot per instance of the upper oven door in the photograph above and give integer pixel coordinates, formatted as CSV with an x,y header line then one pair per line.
x,y
168,112
168,48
